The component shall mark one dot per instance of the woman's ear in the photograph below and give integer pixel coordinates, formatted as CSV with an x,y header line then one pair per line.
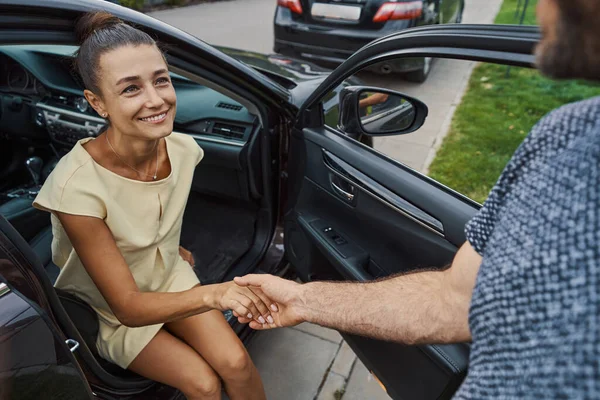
x,y
96,103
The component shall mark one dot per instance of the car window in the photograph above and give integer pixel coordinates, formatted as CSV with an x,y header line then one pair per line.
x,y
479,113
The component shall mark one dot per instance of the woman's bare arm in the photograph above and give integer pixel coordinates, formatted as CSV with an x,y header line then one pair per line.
x,y
96,247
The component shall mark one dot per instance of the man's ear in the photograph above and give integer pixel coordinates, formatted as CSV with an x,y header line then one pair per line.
x,y
96,102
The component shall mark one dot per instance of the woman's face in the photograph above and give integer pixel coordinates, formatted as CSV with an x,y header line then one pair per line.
x,y
136,92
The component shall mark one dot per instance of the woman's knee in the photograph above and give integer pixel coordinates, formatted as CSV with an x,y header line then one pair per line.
x,y
204,386
236,365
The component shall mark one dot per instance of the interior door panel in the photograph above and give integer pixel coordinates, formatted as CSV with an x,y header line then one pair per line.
x,y
224,171
358,215
219,223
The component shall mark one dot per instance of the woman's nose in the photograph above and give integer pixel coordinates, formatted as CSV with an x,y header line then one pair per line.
x,y
154,99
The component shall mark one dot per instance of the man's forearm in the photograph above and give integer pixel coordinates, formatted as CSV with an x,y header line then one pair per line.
x,y
412,308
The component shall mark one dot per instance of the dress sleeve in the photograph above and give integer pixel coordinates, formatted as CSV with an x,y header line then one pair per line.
x,y
70,196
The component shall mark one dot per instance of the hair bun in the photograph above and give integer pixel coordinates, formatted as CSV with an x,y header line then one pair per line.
x,y
92,22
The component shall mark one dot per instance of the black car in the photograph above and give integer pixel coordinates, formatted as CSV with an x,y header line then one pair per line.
x,y
330,31
278,191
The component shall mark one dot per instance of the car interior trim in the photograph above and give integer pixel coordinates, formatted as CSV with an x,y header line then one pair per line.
x,y
212,85
356,178
407,168
71,113
4,289
100,120
214,140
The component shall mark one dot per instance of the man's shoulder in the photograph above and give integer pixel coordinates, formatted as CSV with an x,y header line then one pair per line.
x,y
584,111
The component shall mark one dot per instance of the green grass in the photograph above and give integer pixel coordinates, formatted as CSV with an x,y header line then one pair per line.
x,y
506,15
494,117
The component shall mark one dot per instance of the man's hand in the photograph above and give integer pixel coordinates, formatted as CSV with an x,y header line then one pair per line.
x,y
413,308
249,303
287,295
187,256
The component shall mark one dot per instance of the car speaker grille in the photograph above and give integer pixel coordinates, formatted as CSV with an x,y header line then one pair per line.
x,y
229,131
229,106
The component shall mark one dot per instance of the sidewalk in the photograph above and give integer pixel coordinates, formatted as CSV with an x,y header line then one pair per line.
x,y
309,362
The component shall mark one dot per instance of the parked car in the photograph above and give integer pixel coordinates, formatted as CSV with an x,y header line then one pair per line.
x,y
277,192
330,31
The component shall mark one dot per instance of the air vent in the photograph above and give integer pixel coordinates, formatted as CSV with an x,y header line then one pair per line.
x,y
229,106
229,131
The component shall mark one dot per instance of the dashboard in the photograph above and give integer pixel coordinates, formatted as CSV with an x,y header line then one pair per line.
x,y
41,97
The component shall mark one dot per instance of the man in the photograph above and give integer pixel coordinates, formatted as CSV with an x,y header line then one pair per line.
x,y
525,287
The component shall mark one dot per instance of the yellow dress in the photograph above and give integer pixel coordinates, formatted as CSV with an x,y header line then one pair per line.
x,y
145,219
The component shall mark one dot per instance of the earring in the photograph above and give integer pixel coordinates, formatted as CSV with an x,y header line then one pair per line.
x,y
104,115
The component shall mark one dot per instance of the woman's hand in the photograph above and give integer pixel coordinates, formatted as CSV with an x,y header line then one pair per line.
x,y
187,256
249,302
287,294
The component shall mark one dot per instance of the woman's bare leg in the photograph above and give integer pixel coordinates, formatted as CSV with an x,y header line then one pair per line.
x,y
169,360
212,337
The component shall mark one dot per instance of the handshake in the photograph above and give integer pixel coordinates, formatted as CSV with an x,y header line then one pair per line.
x,y
263,301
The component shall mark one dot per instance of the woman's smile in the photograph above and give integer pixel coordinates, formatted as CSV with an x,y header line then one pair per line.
x,y
158,118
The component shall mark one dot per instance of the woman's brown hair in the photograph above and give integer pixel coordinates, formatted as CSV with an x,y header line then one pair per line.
x,y
98,33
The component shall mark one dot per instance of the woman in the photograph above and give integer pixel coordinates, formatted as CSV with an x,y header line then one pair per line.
x,y
117,205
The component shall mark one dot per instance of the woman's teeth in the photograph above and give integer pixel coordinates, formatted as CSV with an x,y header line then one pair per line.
x,y
155,118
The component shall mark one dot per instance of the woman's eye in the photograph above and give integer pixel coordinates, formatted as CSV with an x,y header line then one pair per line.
x,y
130,89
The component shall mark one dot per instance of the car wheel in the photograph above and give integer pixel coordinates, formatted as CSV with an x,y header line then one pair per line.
x,y
420,75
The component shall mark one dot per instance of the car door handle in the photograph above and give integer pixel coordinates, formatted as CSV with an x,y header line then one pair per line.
x,y
358,180
347,196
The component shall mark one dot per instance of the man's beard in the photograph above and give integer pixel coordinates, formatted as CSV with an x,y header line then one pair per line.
x,y
574,53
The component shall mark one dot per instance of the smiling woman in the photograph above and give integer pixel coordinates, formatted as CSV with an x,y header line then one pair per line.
x,y
117,204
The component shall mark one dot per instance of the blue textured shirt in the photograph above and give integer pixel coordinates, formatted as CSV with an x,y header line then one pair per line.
x,y
535,311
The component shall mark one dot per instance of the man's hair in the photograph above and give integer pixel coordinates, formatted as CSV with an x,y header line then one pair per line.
x,y
575,50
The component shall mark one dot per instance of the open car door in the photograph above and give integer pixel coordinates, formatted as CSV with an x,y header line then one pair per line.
x,y
355,214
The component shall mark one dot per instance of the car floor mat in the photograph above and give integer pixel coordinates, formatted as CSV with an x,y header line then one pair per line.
x,y
217,233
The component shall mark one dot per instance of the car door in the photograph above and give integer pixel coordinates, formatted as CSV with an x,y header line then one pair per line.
x,y
35,358
355,214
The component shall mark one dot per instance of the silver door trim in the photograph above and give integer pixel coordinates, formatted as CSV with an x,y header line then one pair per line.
x,y
380,193
215,140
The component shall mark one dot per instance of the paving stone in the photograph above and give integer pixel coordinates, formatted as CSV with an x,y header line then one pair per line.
x,y
342,365
291,363
324,333
332,388
400,149
363,386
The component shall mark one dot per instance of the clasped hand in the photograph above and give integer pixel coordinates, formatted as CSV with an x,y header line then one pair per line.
x,y
286,297
251,303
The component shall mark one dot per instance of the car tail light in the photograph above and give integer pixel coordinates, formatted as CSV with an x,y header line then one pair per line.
x,y
293,5
394,11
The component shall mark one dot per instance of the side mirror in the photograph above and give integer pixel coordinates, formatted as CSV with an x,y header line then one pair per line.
x,y
379,112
